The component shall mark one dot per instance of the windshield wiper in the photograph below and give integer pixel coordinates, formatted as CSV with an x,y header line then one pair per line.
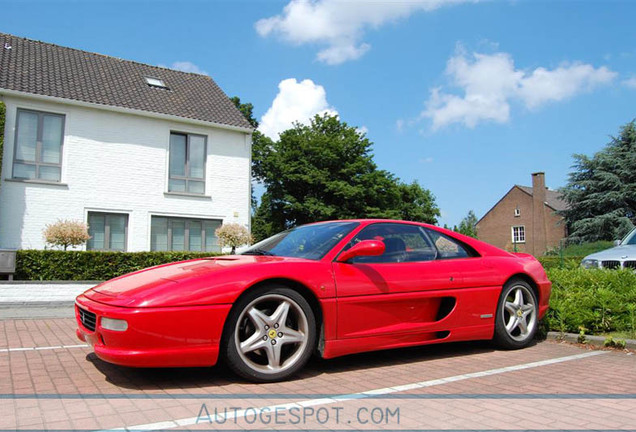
x,y
258,252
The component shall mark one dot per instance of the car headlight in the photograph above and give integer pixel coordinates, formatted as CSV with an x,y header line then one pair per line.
x,y
114,324
589,263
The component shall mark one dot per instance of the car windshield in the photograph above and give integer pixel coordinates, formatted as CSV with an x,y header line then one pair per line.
x,y
630,239
307,241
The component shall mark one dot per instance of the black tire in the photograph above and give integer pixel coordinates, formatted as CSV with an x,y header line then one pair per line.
x,y
516,321
291,342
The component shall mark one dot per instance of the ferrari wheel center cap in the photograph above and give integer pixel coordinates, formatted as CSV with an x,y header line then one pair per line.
x,y
272,334
520,313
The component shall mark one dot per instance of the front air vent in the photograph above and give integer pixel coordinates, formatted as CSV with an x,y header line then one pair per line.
x,y
88,319
611,264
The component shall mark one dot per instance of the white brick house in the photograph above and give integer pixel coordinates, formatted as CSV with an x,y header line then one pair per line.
x,y
151,158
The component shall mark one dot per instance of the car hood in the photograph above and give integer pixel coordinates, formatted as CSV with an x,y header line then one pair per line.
x,y
623,252
187,283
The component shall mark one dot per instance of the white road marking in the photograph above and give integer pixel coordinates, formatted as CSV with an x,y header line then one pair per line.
x,y
8,350
171,424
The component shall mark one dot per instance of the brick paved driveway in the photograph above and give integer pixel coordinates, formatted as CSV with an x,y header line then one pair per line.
x,y
456,387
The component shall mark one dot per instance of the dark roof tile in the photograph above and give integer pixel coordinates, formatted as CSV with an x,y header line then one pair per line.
x,y
51,70
553,198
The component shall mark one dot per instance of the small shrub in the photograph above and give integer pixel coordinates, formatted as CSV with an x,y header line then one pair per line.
x,y
581,338
233,235
610,342
66,233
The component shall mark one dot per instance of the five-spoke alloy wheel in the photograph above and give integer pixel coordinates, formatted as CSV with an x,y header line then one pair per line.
x,y
270,335
516,320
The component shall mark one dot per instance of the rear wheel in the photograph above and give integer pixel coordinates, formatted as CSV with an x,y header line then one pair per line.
x,y
270,334
516,320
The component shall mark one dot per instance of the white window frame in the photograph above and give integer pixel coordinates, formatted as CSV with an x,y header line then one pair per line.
x,y
106,215
517,212
521,234
187,220
38,151
187,177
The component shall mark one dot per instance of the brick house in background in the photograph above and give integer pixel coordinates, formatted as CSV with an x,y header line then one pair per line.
x,y
526,218
151,158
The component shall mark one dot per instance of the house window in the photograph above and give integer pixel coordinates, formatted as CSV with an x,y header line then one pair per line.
x,y
187,163
108,231
519,234
181,234
517,212
38,146
155,82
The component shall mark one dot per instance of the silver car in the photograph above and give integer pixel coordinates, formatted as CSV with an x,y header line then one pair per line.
x,y
623,255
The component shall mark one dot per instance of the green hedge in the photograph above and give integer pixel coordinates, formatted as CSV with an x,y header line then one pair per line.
x,y
90,265
551,262
596,301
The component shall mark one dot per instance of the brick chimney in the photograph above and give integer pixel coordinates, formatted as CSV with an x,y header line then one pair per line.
x,y
539,221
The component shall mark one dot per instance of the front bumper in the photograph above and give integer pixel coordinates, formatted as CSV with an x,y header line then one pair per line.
x,y
156,337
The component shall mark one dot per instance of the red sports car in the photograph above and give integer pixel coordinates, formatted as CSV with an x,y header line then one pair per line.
x,y
334,288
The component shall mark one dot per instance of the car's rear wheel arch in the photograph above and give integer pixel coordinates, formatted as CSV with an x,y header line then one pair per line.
x,y
524,277
516,319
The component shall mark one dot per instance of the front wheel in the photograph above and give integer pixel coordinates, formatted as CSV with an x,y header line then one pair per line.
x,y
270,334
516,320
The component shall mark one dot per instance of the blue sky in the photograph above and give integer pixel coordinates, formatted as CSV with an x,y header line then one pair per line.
x,y
466,97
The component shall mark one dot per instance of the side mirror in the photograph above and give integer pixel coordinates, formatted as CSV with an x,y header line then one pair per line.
x,y
364,248
617,242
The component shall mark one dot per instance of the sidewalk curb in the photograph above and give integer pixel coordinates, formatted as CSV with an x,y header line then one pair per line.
x,y
597,341
56,304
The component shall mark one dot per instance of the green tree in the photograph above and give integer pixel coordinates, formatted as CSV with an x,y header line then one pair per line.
x,y
468,225
247,109
261,145
601,191
325,170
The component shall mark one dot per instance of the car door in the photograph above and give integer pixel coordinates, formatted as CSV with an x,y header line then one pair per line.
x,y
398,291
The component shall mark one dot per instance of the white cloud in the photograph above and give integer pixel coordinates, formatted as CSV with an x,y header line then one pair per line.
x,y
426,160
562,83
490,82
185,66
339,25
630,82
295,102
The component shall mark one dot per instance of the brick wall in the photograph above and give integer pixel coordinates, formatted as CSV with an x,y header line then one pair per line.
x,y
496,226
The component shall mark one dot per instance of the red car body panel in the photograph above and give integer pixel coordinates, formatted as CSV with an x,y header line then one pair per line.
x,y
176,312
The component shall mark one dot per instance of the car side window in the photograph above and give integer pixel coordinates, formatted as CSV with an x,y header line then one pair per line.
x,y
403,243
447,247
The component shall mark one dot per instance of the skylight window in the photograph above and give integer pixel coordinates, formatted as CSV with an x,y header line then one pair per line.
x,y
155,82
